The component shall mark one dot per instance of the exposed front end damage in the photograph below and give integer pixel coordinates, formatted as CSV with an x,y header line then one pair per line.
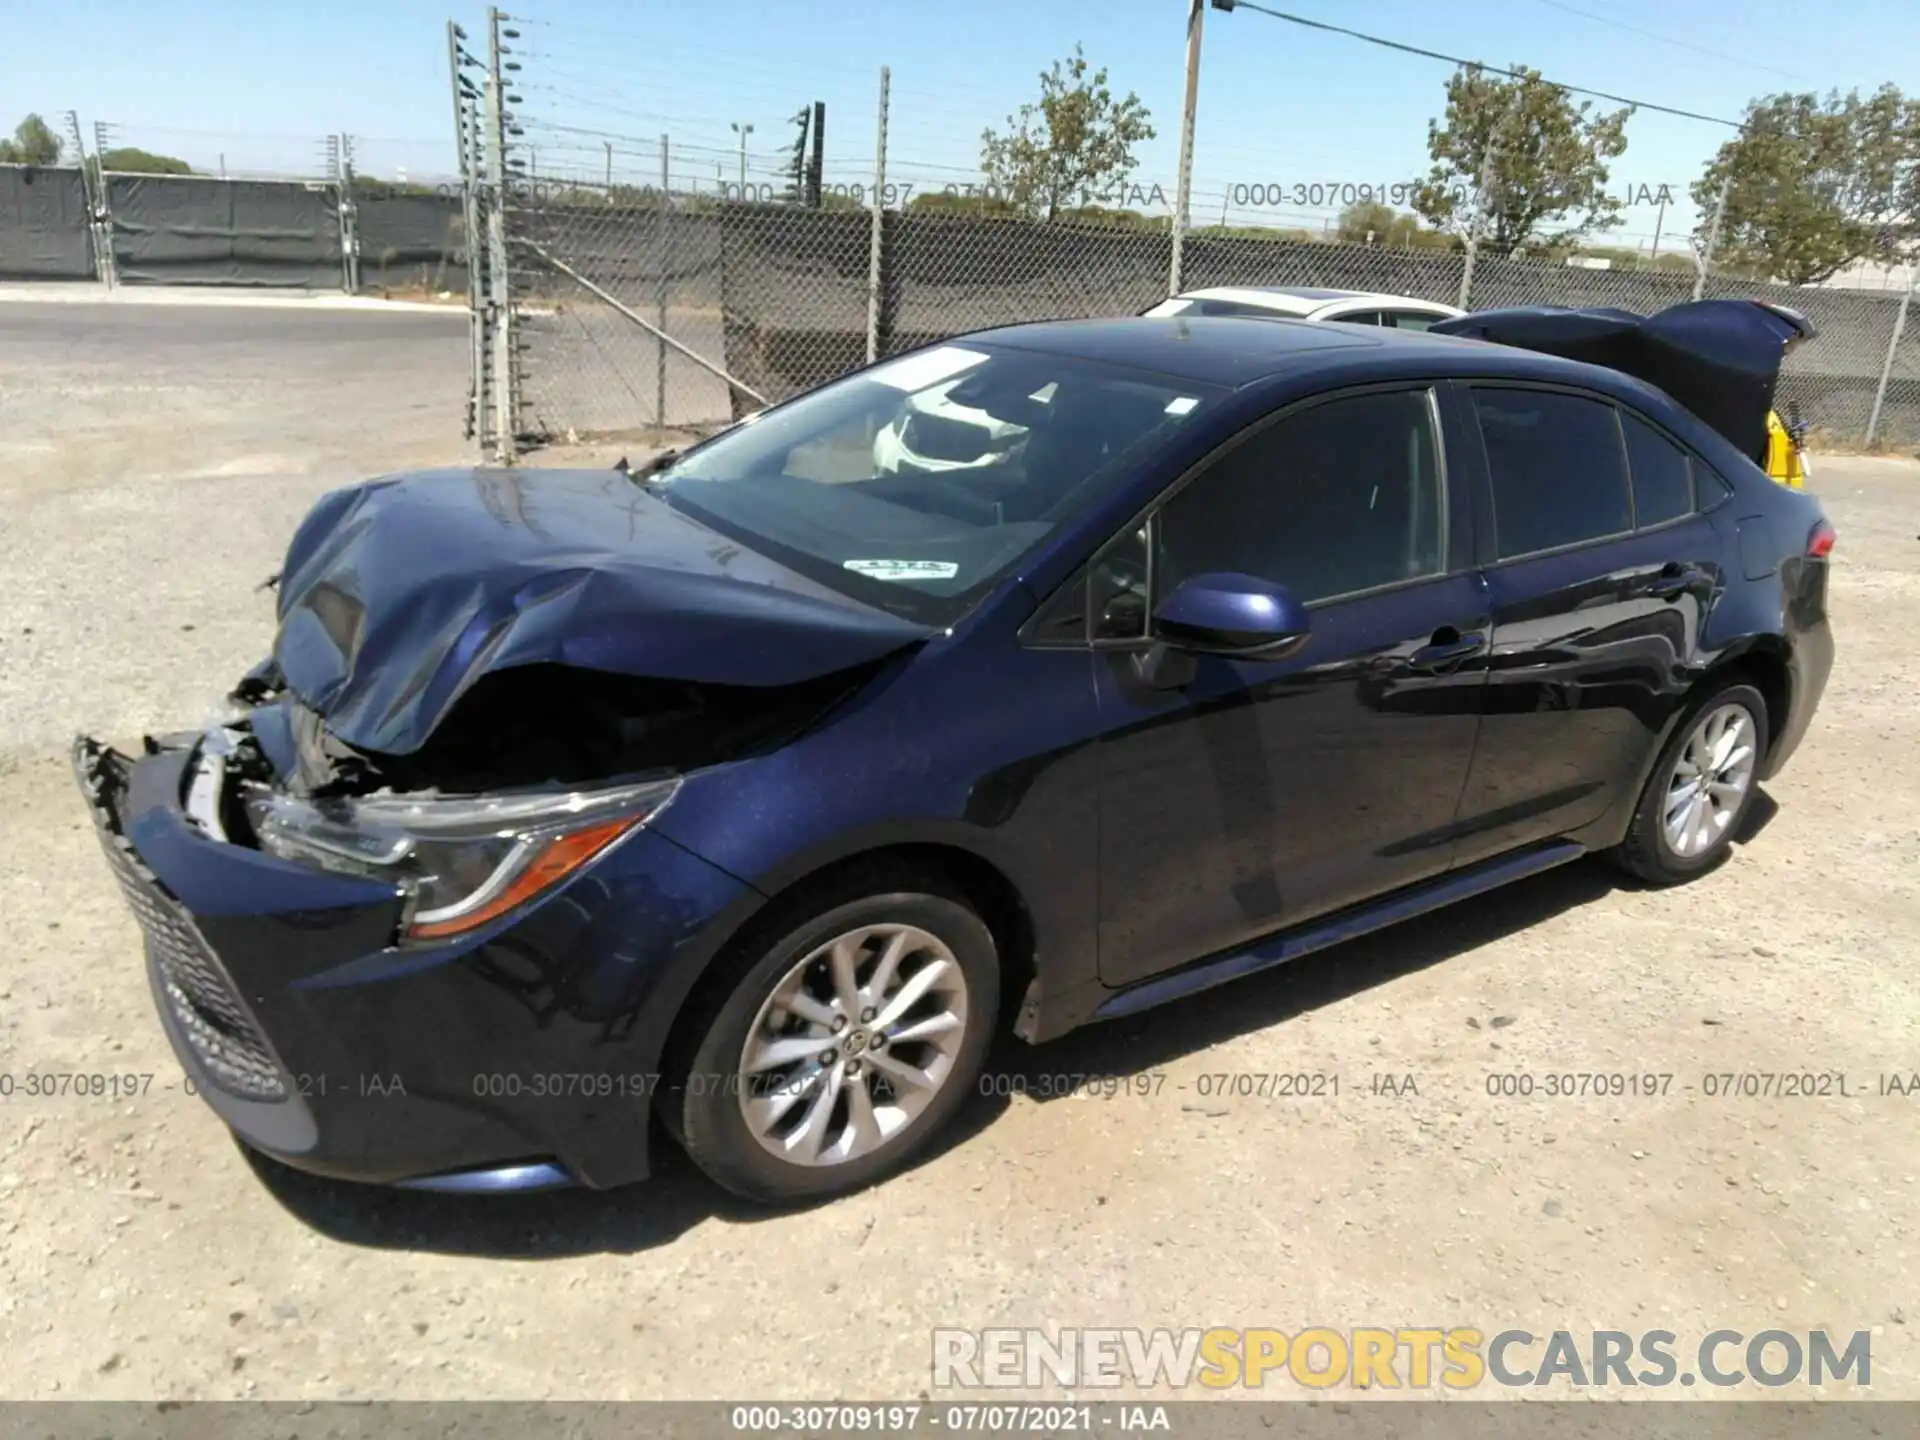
x,y
423,840
541,725
353,1026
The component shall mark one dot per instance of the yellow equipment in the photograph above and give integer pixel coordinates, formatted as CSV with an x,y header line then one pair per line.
x,y
1786,460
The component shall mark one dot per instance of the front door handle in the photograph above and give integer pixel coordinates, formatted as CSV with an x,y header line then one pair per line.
x,y
1446,649
1676,580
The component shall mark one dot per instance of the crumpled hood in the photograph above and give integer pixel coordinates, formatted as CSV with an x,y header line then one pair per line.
x,y
398,594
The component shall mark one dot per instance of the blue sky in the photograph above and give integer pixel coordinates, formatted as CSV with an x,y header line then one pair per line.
x,y
260,84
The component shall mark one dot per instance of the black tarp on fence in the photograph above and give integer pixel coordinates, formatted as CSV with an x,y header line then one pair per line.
x,y
779,296
194,230
410,242
632,254
43,224
794,296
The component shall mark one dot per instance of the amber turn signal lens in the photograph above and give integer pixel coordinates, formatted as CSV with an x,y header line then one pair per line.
x,y
560,858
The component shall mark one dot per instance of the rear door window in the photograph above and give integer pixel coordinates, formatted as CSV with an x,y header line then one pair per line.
x,y
1558,470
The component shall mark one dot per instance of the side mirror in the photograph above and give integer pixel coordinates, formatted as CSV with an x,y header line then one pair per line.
x,y
1235,615
1239,617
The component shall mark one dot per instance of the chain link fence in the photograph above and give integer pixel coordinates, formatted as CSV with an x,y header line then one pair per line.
x,y
641,301
678,314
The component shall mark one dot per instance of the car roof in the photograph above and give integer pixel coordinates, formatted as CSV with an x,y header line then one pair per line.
x,y
1235,350
1306,300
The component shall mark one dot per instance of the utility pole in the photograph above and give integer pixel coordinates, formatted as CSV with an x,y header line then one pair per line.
x,y
609,145
1659,223
743,131
1183,188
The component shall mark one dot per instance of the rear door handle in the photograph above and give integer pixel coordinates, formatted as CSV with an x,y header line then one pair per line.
x,y
1676,580
1447,649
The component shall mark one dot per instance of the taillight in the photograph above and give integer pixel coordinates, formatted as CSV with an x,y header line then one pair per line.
x,y
1820,541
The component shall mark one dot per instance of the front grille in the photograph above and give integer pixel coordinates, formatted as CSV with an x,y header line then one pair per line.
x,y
209,1012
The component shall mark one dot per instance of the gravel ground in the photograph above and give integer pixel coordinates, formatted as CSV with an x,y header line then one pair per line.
x,y
152,463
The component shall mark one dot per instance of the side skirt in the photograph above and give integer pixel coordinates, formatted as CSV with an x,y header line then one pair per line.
x,y
1345,925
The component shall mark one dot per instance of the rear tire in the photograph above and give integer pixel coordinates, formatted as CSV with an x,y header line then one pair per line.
x,y
844,1047
1700,790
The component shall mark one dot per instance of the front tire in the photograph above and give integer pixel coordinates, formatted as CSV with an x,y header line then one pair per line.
x,y
843,1048
1700,790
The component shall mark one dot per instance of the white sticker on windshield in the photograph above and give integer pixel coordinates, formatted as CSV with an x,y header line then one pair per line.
x,y
916,372
905,569
1183,405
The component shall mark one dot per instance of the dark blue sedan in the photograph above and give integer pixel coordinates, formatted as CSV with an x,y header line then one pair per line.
x,y
757,791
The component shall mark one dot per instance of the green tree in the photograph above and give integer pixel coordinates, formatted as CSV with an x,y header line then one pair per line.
x,y
1070,147
370,187
975,207
1813,185
135,161
1622,257
1366,222
33,143
1111,218
1544,158
1268,233
1369,222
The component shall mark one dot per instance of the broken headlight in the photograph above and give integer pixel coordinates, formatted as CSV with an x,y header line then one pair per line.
x,y
461,861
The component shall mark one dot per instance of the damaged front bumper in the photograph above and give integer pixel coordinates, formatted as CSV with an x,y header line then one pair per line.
x,y
525,1055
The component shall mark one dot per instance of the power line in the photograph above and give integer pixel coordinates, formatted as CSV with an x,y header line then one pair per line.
x,y
1670,40
1508,71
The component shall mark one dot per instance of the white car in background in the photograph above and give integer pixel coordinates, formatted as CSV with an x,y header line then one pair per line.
x,y
1298,302
940,435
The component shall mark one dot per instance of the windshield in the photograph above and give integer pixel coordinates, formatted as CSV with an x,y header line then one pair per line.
x,y
917,484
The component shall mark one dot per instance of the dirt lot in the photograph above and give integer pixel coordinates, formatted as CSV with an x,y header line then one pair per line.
x,y
151,468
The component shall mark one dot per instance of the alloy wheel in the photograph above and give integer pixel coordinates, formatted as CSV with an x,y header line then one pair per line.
x,y
1711,777
853,1044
